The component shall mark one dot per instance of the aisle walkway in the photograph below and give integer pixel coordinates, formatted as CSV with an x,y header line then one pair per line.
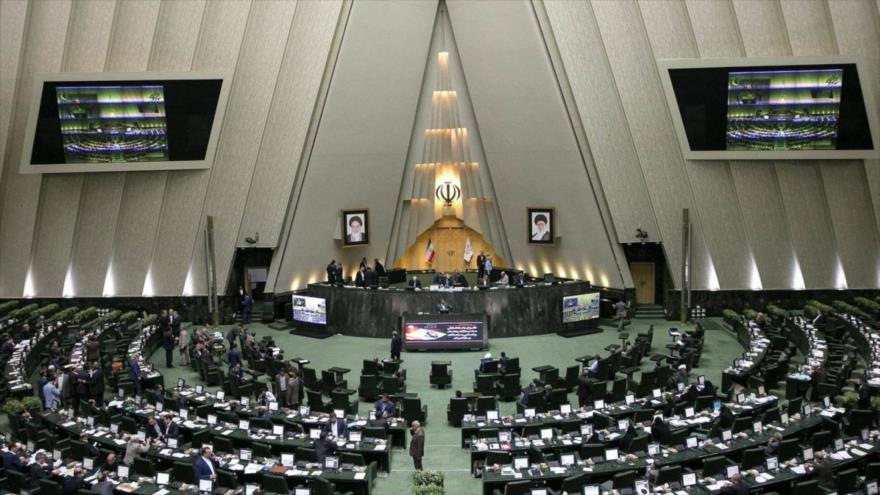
x,y
443,451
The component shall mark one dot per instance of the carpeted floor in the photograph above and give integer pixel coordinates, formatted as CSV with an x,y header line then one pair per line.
x,y
443,451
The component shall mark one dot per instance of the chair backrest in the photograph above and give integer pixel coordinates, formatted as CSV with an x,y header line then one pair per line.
x,y
144,467
352,458
638,444
459,405
714,465
274,483
574,484
375,432
49,487
223,444
512,365
486,403
327,377
412,404
261,449
305,454
623,480
822,439
497,457
788,449
807,488
847,480
668,474
518,488
369,382
439,369
183,471
370,367
753,457
310,378
226,478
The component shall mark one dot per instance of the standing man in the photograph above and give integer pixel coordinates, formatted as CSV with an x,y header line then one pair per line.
x,y
379,268
417,444
96,384
134,370
481,260
183,345
175,323
247,305
168,345
487,268
331,272
620,314
82,386
293,389
51,395
396,346
281,388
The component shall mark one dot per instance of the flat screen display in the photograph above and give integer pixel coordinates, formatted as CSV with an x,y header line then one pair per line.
x,y
783,109
443,333
580,307
770,108
105,122
310,310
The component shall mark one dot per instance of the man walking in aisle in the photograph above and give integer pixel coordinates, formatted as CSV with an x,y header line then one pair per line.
x,y
417,444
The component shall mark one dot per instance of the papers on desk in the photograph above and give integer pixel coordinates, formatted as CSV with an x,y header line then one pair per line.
x,y
68,424
858,452
681,492
119,441
519,420
715,486
379,447
316,473
558,470
127,487
721,446
841,456
828,413
161,492
866,446
799,469
538,442
178,455
360,476
763,477
253,468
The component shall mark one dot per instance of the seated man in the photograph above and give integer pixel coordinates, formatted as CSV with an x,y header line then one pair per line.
x,y
503,281
414,283
385,408
439,279
487,358
459,280
520,279
335,427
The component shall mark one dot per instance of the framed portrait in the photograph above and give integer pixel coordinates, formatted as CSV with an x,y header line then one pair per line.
x,y
542,225
356,227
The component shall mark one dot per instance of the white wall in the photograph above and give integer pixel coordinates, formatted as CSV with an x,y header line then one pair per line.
x,y
306,134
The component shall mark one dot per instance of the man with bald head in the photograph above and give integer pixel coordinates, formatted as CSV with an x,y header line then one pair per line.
x,y
417,444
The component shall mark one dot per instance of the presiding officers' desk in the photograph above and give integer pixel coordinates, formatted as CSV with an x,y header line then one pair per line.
x,y
511,311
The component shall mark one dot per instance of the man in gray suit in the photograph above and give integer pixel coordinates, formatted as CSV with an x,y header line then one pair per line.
x,y
417,444
292,392
103,486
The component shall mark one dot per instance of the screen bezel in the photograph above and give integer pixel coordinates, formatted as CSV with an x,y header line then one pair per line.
x,y
665,65
40,79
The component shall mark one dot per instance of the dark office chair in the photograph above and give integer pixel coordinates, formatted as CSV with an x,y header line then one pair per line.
x,y
144,467
668,474
574,484
261,449
822,439
512,366
788,449
226,478
498,457
458,407
274,483
49,487
305,455
753,458
807,488
353,459
486,403
339,400
485,384
714,465
847,480
310,378
572,373
183,472
441,375
623,480
375,432
223,444
413,410
369,387
508,388
316,401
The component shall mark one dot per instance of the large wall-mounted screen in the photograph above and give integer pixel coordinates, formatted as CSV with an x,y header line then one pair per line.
x,y
118,122
757,109
310,310
580,307
437,332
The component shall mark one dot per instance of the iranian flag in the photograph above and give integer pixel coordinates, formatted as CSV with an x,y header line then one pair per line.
x,y
429,252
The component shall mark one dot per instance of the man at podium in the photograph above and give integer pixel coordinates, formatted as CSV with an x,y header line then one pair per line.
x,y
443,307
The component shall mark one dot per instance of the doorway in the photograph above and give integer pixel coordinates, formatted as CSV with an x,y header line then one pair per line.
x,y
643,278
649,271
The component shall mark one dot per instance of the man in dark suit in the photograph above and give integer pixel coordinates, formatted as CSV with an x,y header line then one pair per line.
x,y
396,346
385,408
72,484
81,395
583,389
154,429
12,460
481,261
233,356
323,446
134,370
864,394
417,444
519,279
175,322
39,469
247,305
414,283
371,279
96,384
336,427
737,486
205,466
340,276
103,486
360,279
379,268
170,429
458,280
331,272
168,345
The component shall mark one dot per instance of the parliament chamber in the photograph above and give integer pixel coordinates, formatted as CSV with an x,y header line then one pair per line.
x,y
440,247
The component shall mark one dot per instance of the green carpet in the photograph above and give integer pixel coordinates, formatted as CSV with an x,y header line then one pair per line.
x,y
443,451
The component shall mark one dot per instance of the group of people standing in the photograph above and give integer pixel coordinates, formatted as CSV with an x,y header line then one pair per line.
x,y
366,276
